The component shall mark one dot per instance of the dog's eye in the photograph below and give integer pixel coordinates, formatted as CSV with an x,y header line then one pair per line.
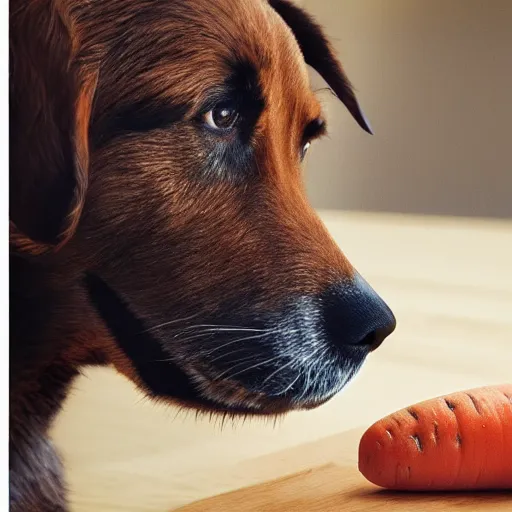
x,y
222,117
304,150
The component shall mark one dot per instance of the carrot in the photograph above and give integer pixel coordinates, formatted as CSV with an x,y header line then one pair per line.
x,y
456,442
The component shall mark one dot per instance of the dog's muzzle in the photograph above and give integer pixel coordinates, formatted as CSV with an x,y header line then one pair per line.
x,y
294,358
303,355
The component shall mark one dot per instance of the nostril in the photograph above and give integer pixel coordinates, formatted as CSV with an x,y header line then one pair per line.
x,y
370,339
375,338
355,315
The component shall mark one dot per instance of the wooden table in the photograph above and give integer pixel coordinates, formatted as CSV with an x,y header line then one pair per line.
x,y
449,283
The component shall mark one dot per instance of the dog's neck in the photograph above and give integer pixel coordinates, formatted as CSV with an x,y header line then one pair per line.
x,y
46,351
38,385
47,319
35,470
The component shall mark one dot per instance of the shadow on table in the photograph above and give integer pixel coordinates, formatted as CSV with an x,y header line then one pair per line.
x,y
469,500
333,488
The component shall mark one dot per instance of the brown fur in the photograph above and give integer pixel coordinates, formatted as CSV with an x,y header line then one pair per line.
x,y
139,209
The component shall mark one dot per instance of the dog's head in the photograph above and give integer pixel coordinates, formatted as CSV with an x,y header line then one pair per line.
x,y
159,145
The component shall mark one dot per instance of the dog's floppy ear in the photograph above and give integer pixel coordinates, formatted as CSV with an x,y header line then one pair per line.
x,y
319,54
50,103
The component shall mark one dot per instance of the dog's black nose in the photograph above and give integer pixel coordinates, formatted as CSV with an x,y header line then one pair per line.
x,y
355,315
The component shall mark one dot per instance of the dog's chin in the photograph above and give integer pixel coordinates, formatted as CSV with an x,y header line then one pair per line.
x,y
193,383
225,395
190,388
214,397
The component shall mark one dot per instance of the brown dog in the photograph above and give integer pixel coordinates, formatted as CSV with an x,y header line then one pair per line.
x,y
158,217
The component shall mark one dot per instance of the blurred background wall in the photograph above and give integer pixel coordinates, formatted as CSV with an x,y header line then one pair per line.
x,y
435,79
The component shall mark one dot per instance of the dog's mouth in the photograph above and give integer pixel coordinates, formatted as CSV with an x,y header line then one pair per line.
x,y
266,389
160,376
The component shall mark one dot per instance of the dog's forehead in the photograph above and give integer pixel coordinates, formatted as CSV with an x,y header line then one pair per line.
x,y
180,51
251,30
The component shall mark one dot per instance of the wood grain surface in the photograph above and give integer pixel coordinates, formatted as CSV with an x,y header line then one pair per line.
x,y
449,282
333,488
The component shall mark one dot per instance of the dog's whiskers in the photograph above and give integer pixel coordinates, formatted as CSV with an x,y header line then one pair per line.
x,y
210,333
319,385
238,362
171,322
290,386
221,327
300,374
215,330
237,340
207,353
322,383
306,385
290,363
189,335
259,363
186,328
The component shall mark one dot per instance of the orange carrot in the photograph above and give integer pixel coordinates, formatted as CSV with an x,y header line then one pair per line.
x,y
456,442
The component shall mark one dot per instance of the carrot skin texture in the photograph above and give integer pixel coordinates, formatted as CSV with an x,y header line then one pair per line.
x,y
461,441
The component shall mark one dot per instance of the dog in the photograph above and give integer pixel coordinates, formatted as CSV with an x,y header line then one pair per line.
x,y
158,217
